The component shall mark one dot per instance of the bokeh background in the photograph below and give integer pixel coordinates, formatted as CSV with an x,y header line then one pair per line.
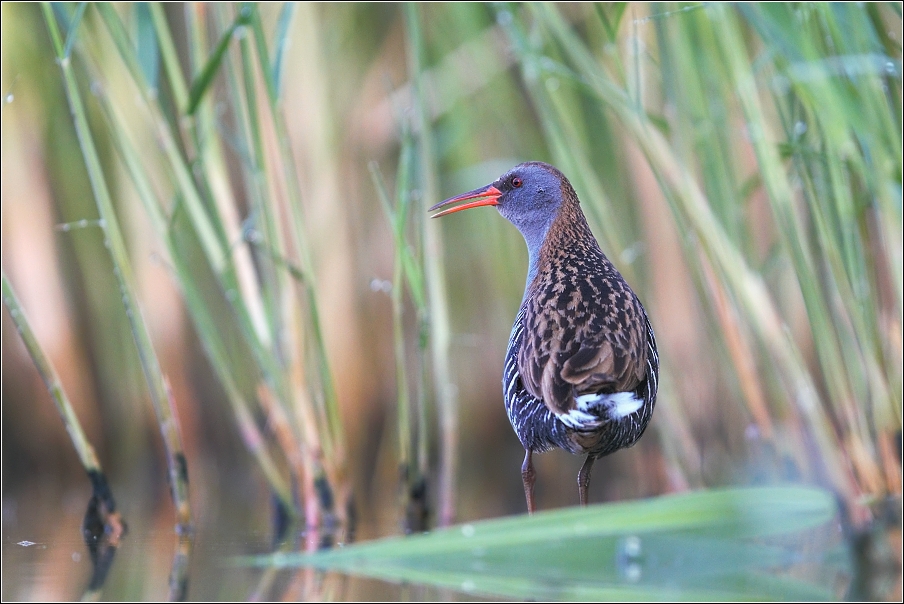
x,y
741,165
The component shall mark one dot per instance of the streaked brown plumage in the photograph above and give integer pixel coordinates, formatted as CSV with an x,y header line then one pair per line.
x,y
581,369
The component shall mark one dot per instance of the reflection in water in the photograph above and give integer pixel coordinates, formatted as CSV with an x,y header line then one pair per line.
x,y
103,529
151,565
178,582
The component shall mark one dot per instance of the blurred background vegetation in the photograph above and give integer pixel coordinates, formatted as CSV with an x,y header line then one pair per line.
x,y
220,210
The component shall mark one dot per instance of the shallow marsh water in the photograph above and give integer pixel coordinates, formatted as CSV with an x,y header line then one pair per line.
x,y
46,559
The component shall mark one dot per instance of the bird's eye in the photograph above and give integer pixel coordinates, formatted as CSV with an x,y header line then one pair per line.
x,y
517,182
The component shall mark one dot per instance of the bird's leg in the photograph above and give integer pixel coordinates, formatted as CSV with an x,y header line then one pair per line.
x,y
527,476
584,478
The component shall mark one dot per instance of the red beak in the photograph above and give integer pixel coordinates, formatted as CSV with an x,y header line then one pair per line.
x,y
488,196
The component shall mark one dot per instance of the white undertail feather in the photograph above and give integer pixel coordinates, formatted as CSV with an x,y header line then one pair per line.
x,y
616,405
579,420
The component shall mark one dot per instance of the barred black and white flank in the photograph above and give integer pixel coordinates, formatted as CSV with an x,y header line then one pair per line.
x,y
581,370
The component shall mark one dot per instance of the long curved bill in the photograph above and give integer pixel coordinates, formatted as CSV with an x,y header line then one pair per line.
x,y
486,196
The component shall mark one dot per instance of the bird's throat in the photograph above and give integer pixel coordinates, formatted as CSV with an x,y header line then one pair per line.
x,y
535,238
567,229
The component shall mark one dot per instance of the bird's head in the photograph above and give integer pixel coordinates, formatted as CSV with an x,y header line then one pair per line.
x,y
529,196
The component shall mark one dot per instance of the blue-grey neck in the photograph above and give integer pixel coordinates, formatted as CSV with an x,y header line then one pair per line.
x,y
534,236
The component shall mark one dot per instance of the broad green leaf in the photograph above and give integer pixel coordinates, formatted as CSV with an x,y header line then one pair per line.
x,y
714,544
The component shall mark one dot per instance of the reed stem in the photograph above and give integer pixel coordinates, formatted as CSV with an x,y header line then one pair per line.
x,y
168,422
440,340
80,441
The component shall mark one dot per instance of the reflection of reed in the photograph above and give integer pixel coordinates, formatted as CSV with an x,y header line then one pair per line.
x,y
304,584
103,529
178,579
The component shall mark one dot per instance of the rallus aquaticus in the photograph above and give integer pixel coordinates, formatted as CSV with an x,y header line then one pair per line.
x,y
581,369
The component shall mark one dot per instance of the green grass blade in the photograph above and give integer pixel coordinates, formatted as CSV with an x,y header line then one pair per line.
x,y
51,379
611,22
74,27
169,55
117,31
146,47
411,435
281,42
202,82
263,54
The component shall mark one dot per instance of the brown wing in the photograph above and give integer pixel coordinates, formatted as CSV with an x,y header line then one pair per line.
x,y
584,332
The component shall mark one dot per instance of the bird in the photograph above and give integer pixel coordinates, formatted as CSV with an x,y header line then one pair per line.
x,y
581,370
